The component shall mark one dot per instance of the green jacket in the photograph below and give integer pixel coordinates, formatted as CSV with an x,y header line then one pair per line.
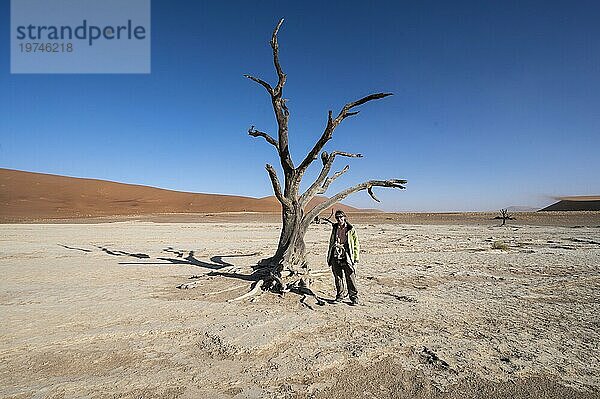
x,y
353,250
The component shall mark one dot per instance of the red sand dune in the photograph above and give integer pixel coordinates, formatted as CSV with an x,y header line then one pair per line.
x,y
28,196
577,203
581,198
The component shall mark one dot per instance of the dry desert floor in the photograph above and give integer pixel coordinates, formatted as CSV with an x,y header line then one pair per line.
x,y
93,311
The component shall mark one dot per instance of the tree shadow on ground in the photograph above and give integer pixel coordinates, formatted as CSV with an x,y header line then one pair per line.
x,y
216,264
75,248
138,255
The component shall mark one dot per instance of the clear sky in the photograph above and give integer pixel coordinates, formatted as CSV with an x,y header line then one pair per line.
x,y
497,103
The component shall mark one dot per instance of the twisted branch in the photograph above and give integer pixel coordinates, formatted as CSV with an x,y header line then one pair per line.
x,y
262,83
316,187
281,111
393,183
275,47
257,133
332,124
276,185
330,180
252,292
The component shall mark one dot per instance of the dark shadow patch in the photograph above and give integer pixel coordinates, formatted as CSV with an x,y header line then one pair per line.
x,y
123,253
430,357
190,259
401,298
74,248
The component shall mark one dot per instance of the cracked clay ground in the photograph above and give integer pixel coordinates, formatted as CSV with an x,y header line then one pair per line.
x,y
93,311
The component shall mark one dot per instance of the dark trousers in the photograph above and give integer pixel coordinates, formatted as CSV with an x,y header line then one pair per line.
x,y
340,269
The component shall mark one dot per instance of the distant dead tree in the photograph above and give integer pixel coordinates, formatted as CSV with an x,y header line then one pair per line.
x,y
289,261
504,216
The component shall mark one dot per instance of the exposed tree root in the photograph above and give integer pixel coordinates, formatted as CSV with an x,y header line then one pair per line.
x,y
225,290
319,272
254,291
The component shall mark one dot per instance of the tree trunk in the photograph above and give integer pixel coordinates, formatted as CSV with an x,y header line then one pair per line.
x,y
290,258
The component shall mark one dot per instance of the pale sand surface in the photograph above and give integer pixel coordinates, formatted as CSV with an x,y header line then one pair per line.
x,y
92,310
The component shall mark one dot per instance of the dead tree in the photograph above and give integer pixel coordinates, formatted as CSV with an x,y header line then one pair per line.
x,y
504,216
290,257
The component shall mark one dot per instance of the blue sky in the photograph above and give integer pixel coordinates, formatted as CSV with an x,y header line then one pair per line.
x,y
496,103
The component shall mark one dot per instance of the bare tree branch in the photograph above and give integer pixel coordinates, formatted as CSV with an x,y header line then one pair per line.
x,y
372,194
327,164
281,112
257,133
376,96
276,185
331,126
324,157
345,154
275,47
325,137
330,180
393,183
262,83
329,218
